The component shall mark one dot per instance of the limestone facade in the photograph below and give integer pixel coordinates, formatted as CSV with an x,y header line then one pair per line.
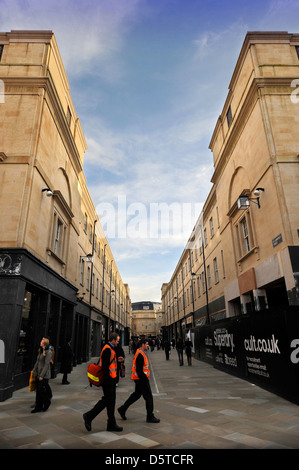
x,y
45,237
245,260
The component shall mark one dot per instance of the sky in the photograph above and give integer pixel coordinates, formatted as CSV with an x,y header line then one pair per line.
x,y
149,79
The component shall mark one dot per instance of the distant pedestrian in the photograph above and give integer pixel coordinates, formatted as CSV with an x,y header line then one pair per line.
x,y
42,373
66,361
188,350
140,375
120,355
167,349
180,347
108,361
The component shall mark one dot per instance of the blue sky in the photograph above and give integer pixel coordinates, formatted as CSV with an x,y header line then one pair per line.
x,y
149,79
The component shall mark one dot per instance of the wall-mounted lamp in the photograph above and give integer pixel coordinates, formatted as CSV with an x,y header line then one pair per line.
x,y
80,297
112,293
49,192
87,258
243,201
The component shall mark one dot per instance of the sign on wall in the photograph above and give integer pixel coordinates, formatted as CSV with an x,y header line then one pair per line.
x,y
261,347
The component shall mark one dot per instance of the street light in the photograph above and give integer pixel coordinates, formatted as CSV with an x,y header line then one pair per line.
x,y
87,258
48,193
243,200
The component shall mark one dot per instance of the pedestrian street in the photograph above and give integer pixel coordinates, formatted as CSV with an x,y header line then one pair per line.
x,y
199,407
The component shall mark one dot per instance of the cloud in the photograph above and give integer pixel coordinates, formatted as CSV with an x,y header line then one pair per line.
x,y
90,34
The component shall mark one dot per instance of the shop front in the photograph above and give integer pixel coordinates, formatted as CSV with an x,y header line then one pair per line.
x,y
36,302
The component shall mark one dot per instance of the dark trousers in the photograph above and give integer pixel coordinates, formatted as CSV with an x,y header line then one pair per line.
x,y
181,357
43,394
107,401
142,388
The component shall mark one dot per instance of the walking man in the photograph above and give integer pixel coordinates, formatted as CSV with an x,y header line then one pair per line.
x,y
108,361
140,375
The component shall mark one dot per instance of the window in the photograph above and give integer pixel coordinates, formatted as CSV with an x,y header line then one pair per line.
x,y
69,116
217,212
297,50
209,276
59,229
245,240
229,116
203,281
245,235
216,270
82,272
211,227
1,50
223,267
58,236
205,236
88,278
85,223
198,286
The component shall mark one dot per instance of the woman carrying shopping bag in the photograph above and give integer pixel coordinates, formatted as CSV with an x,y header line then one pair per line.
x,y
42,373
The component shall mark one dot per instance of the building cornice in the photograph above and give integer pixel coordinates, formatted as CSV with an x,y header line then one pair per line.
x,y
48,85
240,119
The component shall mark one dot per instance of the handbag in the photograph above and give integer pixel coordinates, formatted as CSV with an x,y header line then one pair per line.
x,y
122,370
32,383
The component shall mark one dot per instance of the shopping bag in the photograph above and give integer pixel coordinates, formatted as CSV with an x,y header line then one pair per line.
x,y
122,370
32,382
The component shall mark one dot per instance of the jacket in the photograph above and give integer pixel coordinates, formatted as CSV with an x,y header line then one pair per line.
x,y
140,367
42,366
108,362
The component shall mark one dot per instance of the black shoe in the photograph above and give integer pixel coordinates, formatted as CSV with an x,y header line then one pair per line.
x,y
86,422
45,407
36,410
153,419
122,412
65,383
114,428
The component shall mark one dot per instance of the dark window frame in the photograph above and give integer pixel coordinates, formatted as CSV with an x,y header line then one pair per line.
x,y
229,116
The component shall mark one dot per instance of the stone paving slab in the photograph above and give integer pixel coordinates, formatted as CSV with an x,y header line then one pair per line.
x,y
200,408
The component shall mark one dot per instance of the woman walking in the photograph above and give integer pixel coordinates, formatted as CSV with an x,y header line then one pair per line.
x,y
42,373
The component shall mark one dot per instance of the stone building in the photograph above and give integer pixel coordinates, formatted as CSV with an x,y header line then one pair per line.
x,y
243,254
146,319
58,276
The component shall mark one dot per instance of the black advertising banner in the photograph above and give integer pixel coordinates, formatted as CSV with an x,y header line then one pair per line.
x,y
262,347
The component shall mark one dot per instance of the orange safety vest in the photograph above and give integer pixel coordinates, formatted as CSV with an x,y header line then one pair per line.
x,y
146,370
113,362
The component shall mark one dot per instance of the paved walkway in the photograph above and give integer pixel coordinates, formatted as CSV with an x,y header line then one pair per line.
x,y
199,408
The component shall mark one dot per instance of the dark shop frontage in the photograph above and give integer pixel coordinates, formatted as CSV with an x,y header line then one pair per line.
x,y
261,347
36,302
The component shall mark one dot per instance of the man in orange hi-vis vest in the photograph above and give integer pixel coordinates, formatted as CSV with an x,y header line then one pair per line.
x,y
140,375
108,361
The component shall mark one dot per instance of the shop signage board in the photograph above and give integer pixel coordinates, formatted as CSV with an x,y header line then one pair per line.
x,y
262,347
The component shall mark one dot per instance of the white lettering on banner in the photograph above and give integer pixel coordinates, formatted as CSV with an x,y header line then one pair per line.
x,y
294,357
224,339
230,361
2,352
262,345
